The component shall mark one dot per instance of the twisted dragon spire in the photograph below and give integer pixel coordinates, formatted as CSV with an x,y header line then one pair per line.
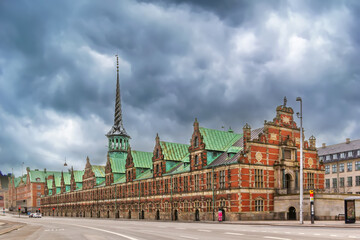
x,y
118,127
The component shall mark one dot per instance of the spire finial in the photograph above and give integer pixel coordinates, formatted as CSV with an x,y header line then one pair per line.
x,y
285,101
118,128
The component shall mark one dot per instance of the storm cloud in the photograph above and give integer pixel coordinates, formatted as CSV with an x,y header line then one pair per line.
x,y
224,62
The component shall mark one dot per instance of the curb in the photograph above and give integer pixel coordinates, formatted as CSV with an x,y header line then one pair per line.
x,y
10,229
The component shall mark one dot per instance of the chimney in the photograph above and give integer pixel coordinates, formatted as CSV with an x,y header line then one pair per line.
x,y
324,145
347,140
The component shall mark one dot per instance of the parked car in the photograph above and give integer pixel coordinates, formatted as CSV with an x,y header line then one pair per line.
x,y
37,215
31,215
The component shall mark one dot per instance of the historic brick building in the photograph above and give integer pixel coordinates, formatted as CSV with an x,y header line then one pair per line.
x,y
25,191
236,173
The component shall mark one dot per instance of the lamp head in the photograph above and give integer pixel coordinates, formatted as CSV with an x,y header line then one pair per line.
x,y
298,99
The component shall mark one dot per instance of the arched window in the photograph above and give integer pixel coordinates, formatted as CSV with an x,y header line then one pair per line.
x,y
157,153
117,144
196,142
121,144
196,160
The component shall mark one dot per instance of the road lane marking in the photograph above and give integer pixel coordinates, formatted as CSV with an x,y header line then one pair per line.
x,y
353,237
317,234
102,230
204,230
181,228
333,235
188,237
237,234
301,233
268,237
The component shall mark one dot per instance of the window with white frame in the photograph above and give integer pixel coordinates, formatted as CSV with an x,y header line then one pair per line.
x,y
357,165
259,178
327,183
342,155
334,156
328,158
334,168
259,205
350,154
327,169
341,167
349,166
358,152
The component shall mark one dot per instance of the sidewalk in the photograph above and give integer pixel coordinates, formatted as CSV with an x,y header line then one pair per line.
x,y
7,226
330,224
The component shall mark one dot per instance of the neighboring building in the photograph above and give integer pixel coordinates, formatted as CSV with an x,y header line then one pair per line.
x,y
4,183
342,166
236,173
26,191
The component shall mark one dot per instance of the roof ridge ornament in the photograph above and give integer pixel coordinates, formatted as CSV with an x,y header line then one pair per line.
x,y
285,101
118,127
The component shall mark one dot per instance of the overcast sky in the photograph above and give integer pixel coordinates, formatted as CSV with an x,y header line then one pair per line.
x,y
224,62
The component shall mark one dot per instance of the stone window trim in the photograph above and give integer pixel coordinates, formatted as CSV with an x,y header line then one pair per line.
x,y
259,204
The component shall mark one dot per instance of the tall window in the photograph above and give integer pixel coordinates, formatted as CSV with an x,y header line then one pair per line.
x,y
157,153
196,160
166,185
259,178
327,183
196,179
259,205
357,165
196,142
334,181
208,180
327,169
341,167
358,152
222,179
349,181
334,168
349,166
209,205
342,182
310,180
186,185
357,181
186,206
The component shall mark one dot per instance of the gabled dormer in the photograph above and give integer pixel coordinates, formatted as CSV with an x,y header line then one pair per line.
x,y
46,189
198,158
63,186
159,164
130,167
109,176
53,185
89,180
72,181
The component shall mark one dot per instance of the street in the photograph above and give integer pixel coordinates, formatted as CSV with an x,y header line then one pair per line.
x,y
97,229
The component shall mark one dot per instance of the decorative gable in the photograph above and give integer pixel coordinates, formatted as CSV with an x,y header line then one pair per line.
x,y
159,166
197,140
109,176
130,169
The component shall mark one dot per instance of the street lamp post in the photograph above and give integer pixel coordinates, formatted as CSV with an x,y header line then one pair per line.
x,y
298,99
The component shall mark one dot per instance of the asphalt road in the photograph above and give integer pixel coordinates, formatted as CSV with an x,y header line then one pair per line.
x,y
99,229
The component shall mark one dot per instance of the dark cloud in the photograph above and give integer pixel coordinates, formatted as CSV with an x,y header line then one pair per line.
x,y
225,62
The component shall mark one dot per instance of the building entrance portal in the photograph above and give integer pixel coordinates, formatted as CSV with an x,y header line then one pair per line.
x,y
197,215
157,215
292,213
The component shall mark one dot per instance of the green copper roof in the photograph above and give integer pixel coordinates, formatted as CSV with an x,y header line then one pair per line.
x,y
217,140
50,184
118,161
146,174
78,176
121,179
234,149
142,159
98,170
174,151
180,168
